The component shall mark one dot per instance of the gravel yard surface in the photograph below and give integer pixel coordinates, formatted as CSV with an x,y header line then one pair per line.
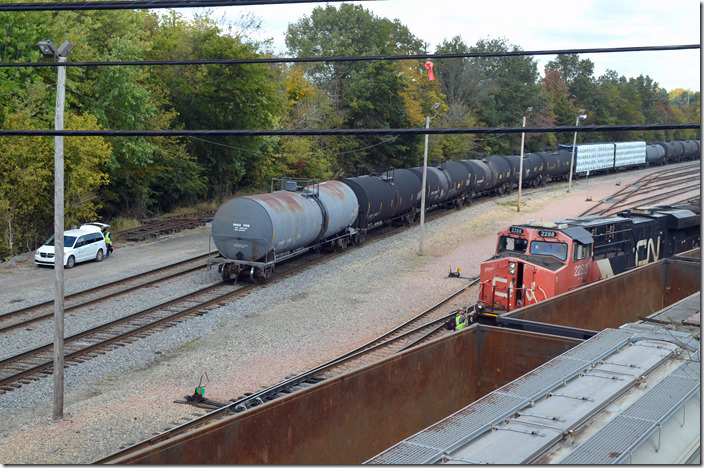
x,y
126,395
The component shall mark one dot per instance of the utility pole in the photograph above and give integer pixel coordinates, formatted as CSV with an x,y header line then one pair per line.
x,y
520,172
424,182
59,246
49,50
580,116
422,191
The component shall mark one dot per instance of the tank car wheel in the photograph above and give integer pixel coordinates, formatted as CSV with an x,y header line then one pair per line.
x,y
229,271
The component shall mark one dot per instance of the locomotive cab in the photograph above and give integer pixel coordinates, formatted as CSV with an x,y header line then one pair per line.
x,y
534,262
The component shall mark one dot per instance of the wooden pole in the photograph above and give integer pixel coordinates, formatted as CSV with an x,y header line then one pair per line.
x,y
59,246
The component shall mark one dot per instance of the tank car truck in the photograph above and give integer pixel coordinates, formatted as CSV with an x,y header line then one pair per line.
x,y
538,260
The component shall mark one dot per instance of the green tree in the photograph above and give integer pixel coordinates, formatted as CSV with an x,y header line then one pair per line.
x,y
364,94
215,96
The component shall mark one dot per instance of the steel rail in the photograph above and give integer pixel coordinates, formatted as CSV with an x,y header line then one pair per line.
x,y
112,336
311,376
621,205
674,184
27,310
640,183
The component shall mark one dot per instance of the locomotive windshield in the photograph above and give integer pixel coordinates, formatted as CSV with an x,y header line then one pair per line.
x,y
554,249
512,244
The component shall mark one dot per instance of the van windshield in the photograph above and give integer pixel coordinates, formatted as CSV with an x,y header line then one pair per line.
x,y
68,241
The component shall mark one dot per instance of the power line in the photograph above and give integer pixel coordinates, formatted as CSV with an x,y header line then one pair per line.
x,y
356,131
223,144
514,53
143,4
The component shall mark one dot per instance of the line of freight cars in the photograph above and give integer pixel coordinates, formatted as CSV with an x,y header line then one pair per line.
x,y
254,233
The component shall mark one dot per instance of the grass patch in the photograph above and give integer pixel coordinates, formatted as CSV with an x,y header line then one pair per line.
x,y
510,203
122,224
202,206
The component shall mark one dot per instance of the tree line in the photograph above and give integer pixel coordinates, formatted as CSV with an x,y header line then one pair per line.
x,y
139,176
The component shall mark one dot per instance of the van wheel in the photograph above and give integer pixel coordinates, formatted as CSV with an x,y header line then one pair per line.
x,y
99,256
71,262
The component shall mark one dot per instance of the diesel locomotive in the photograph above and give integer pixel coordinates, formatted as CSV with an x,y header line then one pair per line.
x,y
538,260
254,233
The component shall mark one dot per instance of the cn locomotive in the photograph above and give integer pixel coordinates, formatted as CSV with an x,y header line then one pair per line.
x,y
538,260
255,233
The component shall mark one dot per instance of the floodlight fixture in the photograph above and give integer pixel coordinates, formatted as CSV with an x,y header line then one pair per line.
x,y
47,48
65,49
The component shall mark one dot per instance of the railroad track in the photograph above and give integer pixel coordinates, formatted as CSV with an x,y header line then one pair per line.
x,y
156,228
74,302
33,364
426,325
650,189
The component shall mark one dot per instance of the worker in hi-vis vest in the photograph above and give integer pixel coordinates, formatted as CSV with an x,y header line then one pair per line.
x,y
108,242
461,320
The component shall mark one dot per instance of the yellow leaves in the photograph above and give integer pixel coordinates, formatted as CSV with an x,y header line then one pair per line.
x,y
421,94
297,86
675,93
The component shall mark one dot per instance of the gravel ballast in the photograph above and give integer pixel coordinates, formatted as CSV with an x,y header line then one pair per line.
x,y
127,394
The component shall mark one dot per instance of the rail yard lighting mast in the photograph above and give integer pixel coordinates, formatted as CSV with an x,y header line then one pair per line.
x,y
61,53
520,173
425,171
581,116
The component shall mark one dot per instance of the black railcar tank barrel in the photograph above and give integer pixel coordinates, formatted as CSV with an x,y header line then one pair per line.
x,y
437,184
459,178
533,169
376,199
407,188
514,163
502,168
654,154
679,149
690,148
557,163
670,151
481,174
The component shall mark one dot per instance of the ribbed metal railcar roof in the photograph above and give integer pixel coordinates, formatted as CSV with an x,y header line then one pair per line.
x,y
619,438
439,441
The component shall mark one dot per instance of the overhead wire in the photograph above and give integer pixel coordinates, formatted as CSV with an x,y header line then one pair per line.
x,y
137,4
143,4
514,53
356,131
93,98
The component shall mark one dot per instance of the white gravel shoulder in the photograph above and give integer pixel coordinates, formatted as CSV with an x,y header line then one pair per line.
x,y
126,395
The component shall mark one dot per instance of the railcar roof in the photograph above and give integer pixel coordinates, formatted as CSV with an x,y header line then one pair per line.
x,y
536,415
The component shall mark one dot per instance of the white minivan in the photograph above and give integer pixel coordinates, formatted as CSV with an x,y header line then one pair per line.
x,y
80,245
